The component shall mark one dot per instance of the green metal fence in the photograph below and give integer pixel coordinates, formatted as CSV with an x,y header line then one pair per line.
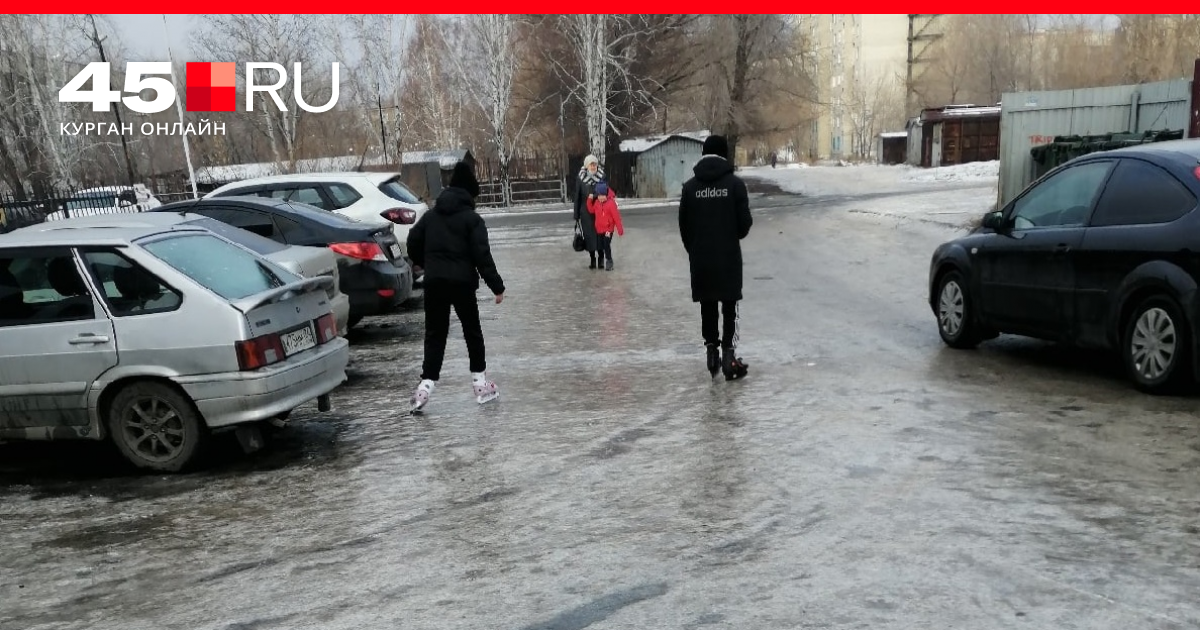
x,y
1065,148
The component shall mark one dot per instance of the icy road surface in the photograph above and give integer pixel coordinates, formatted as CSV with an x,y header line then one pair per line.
x,y
862,477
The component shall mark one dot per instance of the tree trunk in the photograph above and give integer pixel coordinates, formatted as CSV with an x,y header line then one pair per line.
x,y
737,93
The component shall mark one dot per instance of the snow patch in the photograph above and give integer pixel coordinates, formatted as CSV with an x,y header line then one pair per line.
x,y
969,172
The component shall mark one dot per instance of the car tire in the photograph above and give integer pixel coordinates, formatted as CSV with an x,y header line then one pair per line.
x,y
955,319
1156,346
155,427
353,321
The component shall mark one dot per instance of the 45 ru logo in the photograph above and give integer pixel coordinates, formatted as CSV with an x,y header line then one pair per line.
x,y
211,87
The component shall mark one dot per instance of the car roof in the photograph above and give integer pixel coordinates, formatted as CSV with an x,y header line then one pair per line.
x,y
292,209
1187,150
72,234
117,220
374,177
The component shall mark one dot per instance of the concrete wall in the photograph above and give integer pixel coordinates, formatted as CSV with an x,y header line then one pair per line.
x,y
1029,119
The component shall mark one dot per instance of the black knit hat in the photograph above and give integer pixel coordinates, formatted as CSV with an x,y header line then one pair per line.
x,y
716,145
464,177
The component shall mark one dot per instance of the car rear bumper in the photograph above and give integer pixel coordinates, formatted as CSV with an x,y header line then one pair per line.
x,y
240,397
376,288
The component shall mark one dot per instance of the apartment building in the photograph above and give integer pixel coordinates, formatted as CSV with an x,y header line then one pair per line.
x,y
848,53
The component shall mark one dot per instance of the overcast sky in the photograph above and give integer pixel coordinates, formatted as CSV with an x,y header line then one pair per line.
x,y
146,39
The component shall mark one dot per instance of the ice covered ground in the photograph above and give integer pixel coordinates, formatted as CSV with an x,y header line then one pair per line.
x,y
950,195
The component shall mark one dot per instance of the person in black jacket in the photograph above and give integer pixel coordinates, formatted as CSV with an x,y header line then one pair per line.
x,y
589,176
714,216
451,243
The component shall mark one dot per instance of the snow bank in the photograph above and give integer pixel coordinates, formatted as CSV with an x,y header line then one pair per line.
x,y
813,181
827,180
969,172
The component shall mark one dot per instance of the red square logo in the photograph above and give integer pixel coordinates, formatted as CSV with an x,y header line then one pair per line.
x,y
211,86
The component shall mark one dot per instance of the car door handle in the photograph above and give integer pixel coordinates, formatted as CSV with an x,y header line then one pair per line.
x,y
1062,248
88,338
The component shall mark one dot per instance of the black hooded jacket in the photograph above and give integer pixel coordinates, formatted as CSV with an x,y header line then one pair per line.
x,y
714,216
451,243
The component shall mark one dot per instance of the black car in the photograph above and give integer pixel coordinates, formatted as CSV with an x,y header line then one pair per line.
x,y
1101,252
373,271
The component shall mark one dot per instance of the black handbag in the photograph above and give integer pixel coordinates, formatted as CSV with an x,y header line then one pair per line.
x,y
579,244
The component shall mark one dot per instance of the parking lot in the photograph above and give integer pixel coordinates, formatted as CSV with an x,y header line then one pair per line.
x,y
863,476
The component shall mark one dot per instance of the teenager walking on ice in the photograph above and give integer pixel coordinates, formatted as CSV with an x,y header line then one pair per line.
x,y
451,243
714,216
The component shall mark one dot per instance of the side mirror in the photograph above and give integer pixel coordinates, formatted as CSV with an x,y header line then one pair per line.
x,y
994,220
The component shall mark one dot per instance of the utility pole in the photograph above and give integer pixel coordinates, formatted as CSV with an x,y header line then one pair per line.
x,y
187,152
928,32
116,110
382,127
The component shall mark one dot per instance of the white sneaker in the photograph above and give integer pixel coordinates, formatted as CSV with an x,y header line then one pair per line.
x,y
485,390
420,398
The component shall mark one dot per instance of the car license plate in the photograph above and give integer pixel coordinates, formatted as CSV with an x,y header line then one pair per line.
x,y
298,341
396,253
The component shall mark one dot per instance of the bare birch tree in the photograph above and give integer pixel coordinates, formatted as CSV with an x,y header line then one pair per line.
x,y
42,53
757,80
283,39
377,46
487,66
430,88
603,49
875,103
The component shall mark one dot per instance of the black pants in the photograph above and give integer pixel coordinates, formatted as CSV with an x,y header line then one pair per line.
x,y
708,322
439,298
603,247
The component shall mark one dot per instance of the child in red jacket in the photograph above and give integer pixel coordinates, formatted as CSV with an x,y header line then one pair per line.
x,y
608,220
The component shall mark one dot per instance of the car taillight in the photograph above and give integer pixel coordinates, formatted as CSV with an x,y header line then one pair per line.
x,y
326,328
1196,172
259,352
362,251
403,216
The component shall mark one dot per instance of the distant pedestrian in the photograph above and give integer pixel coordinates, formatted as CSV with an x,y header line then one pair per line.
x,y
451,243
773,159
714,216
607,218
589,176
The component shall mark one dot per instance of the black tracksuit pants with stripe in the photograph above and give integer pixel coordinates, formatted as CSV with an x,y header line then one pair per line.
x,y
709,323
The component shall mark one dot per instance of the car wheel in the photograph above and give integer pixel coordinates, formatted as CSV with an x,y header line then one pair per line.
x,y
1157,346
155,427
956,322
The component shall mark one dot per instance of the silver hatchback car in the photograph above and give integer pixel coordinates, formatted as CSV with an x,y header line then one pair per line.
x,y
154,337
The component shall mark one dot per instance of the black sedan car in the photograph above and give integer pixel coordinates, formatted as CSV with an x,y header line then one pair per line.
x,y
1101,252
373,271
